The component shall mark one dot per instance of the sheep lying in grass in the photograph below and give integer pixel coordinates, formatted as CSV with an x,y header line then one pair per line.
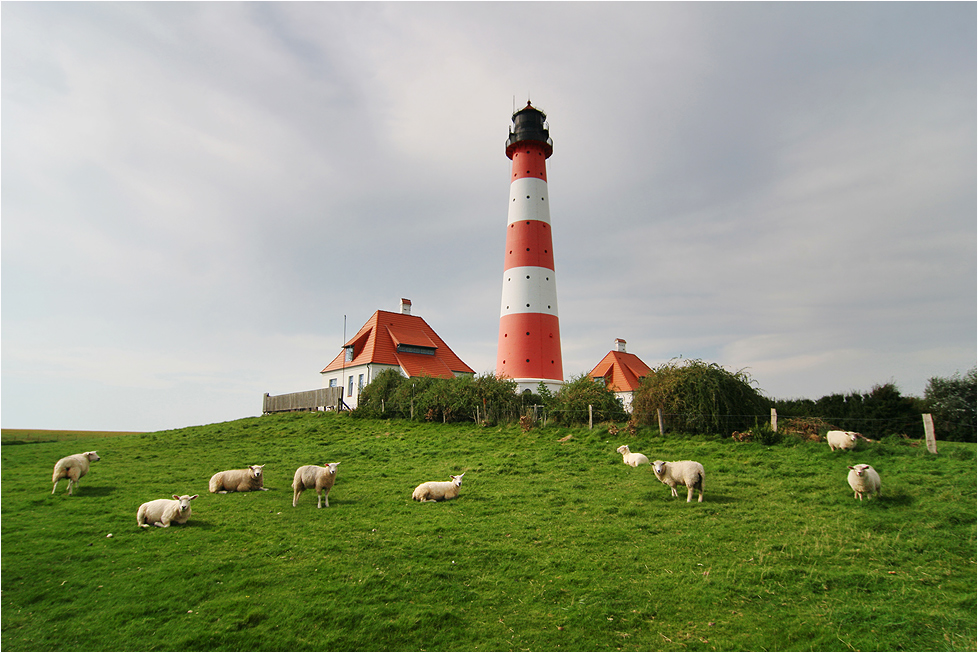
x,y
438,490
683,472
72,468
844,440
633,459
238,480
163,512
863,479
312,476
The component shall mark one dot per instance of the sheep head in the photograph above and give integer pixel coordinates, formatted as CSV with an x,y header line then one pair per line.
x,y
859,469
256,470
184,501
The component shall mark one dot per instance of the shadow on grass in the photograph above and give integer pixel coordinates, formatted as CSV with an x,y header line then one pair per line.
x,y
81,492
895,499
718,498
192,523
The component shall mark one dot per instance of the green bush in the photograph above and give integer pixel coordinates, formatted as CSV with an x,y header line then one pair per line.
x,y
879,412
570,404
460,399
699,397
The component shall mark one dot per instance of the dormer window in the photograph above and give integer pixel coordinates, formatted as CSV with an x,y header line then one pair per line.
x,y
415,349
349,353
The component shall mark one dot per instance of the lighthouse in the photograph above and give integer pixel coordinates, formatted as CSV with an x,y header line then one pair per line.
x,y
529,331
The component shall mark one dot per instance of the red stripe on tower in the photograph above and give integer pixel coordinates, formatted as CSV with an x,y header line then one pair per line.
x,y
529,331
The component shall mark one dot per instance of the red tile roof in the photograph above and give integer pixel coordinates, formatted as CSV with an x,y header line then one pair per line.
x,y
377,342
623,372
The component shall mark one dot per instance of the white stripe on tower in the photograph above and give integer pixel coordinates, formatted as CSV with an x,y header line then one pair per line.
x,y
529,330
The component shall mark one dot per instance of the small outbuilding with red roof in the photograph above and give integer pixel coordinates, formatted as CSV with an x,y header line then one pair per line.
x,y
389,340
621,372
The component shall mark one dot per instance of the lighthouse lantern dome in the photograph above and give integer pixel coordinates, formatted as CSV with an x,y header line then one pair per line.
x,y
529,124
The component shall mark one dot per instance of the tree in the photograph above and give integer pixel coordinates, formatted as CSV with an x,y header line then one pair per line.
x,y
700,397
951,400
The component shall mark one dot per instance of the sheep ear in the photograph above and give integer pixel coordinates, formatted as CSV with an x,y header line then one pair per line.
x,y
194,497
176,496
852,468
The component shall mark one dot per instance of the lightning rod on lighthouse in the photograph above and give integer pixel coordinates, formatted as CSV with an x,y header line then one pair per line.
x,y
529,330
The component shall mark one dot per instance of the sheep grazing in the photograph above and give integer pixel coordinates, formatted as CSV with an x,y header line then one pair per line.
x,y
633,459
311,476
683,472
72,468
238,480
438,490
863,479
163,512
844,440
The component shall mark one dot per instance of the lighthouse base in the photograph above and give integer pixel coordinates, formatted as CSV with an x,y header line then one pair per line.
x,y
533,385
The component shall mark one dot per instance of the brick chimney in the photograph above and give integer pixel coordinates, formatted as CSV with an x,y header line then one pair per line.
x,y
620,345
405,306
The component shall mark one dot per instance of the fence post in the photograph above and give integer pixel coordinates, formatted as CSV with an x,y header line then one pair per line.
x,y
590,416
929,433
774,420
662,422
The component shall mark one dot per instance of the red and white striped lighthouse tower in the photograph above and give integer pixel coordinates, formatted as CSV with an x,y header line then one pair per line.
x,y
529,332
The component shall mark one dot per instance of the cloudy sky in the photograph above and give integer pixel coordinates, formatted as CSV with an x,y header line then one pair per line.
x,y
195,195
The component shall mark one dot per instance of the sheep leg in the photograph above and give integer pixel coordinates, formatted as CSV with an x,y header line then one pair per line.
x,y
673,488
54,489
689,493
296,491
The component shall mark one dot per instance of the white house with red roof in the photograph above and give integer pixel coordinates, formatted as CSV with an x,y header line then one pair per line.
x,y
388,340
621,372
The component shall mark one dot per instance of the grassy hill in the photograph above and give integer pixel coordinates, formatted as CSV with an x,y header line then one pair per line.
x,y
551,546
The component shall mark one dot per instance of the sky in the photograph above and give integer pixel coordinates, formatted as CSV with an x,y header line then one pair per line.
x,y
200,199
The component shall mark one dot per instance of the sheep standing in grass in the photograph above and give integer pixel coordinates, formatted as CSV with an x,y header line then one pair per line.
x,y
438,490
633,459
683,472
844,440
163,512
72,468
238,480
863,479
312,476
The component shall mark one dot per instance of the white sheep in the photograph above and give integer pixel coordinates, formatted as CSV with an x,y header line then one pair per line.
x,y
682,472
438,490
844,440
312,476
863,479
163,512
72,468
238,480
633,459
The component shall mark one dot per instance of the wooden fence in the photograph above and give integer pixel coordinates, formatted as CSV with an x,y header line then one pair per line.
x,y
325,398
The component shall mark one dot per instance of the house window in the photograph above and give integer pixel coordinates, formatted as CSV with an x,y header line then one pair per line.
x,y
349,391
349,353
415,349
360,383
332,383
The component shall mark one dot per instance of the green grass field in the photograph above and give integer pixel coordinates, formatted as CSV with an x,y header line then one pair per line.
x,y
551,545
